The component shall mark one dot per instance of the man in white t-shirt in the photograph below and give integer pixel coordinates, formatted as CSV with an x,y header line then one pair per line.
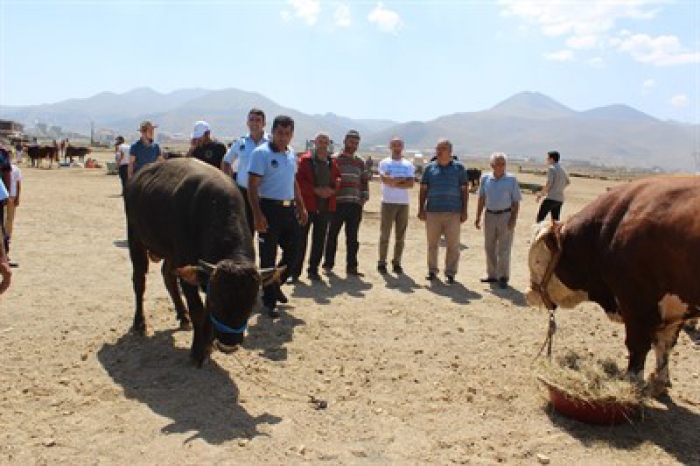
x,y
121,155
396,175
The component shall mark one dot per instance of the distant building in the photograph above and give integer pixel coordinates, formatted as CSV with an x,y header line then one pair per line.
x,y
11,129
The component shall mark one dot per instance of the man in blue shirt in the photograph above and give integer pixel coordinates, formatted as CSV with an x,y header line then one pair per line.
x,y
145,150
499,193
278,208
443,206
5,270
241,151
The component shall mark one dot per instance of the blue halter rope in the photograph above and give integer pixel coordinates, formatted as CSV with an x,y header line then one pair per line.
x,y
223,328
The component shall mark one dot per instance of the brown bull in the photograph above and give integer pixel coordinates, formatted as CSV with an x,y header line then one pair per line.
x,y
634,251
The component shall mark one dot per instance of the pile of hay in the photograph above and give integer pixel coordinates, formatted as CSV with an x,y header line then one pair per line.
x,y
590,380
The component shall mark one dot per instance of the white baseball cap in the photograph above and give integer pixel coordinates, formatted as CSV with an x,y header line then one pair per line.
x,y
200,128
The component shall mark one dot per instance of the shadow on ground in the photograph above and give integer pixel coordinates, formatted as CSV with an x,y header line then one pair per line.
x,y
671,427
203,402
457,292
330,286
268,336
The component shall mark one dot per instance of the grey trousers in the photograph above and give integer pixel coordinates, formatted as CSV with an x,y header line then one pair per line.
x,y
437,224
498,239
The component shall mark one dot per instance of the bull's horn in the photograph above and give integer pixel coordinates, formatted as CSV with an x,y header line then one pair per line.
x,y
271,274
205,267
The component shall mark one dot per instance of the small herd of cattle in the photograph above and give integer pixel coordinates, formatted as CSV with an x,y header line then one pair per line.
x,y
37,154
633,251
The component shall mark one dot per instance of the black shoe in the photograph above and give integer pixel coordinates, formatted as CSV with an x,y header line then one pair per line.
x,y
281,297
13,264
272,313
327,269
354,271
488,280
431,276
314,276
292,280
450,279
397,269
381,268
503,283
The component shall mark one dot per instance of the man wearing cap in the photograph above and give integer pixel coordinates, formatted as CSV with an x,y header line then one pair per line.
x,y
278,208
241,151
145,150
203,147
351,197
5,270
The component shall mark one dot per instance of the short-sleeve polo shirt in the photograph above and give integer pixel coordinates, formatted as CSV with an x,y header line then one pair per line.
x,y
277,171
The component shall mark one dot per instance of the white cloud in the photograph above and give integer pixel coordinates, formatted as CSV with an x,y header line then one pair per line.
x,y
561,55
342,17
385,19
679,100
306,10
660,50
578,18
593,24
582,42
596,62
647,86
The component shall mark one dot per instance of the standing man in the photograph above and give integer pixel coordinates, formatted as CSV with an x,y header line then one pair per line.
x,y
241,150
144,151
553,192
443,206
121,150
203,147
396,175
319,180
499,193
5,270
278,208
351,197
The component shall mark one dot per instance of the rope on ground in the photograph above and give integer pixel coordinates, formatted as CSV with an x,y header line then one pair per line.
x,y
259,380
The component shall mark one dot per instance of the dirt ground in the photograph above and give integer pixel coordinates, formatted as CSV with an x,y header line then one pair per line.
x,y
413,373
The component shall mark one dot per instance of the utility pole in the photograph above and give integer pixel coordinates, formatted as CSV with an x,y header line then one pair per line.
x,y
696,156
92,133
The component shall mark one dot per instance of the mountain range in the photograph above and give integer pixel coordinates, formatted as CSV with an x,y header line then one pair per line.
x,y
526,124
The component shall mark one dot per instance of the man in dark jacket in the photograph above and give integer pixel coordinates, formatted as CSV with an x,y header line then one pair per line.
x,y
319,180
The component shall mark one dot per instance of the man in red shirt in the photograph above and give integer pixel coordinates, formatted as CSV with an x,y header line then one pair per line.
x,y
319,180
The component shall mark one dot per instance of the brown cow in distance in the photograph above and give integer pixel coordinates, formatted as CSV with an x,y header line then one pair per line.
x,y
634,251
73,151
37,154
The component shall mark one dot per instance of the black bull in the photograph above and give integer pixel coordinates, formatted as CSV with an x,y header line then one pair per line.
x,y
192,216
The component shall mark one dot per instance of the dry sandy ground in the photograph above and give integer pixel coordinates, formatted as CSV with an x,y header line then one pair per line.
x,y
413,374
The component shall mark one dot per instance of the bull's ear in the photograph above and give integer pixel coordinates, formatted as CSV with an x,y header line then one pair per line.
x,y
188,273
205,267
271,275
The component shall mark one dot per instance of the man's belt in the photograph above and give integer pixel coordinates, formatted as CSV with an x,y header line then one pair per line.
x,y
283,203
502,211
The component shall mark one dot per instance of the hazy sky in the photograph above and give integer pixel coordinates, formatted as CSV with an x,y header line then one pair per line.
x,y
404,60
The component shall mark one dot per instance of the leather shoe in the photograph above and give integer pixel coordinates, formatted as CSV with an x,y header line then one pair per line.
x,y
488,280
431,276
450,280
503,283
397,269
281,297
381,268
354,271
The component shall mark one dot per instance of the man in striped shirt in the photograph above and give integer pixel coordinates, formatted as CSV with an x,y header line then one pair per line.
x,y
351,197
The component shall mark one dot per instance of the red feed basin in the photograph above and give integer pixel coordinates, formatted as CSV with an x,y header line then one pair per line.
x,y
597,412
